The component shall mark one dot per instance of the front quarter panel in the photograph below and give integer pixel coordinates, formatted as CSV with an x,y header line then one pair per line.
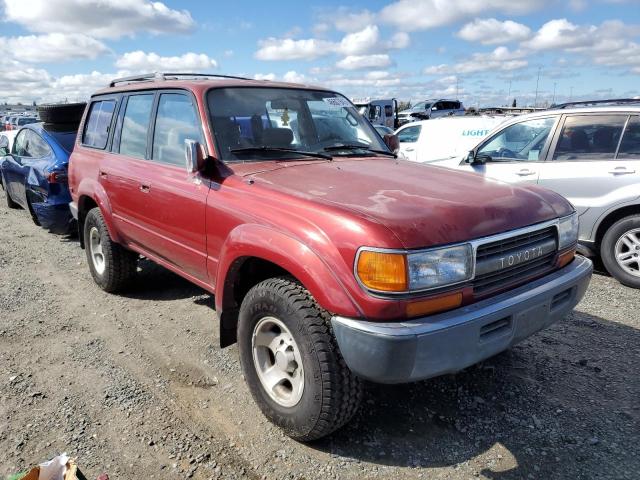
x,y
252,240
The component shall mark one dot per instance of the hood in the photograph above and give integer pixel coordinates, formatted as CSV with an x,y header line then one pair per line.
x,y
422,205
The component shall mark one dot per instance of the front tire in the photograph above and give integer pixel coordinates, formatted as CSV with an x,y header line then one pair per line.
x,y
620,251
291,361
112,266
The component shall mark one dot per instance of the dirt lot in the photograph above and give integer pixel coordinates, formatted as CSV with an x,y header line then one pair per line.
x,y
136,386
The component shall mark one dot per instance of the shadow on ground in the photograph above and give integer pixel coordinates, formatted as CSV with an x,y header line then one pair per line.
x,y
563,405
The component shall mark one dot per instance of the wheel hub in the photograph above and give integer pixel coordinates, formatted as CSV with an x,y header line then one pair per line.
x,y
277,360
626,252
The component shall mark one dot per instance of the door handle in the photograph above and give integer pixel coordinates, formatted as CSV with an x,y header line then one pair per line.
x,y
525,172
409,149
145,188
621,171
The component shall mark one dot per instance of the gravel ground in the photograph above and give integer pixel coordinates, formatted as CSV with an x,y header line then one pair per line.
x,y
135,385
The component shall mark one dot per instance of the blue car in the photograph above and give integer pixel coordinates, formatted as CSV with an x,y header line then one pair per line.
x,y
34,174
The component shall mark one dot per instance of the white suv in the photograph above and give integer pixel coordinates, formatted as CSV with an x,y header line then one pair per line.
x,y
591,155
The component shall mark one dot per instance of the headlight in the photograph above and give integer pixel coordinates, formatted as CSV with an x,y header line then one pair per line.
x,y
400,272
568,231
439,267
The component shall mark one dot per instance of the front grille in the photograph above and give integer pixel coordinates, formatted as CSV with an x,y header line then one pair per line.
x,y
508,262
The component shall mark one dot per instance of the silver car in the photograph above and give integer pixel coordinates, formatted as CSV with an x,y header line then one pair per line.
x,y
590,155
427,109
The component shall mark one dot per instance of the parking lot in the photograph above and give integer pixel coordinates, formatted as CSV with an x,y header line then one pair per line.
x,y
136,386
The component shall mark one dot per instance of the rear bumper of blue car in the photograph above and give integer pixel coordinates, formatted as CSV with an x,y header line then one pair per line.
x,y
54,217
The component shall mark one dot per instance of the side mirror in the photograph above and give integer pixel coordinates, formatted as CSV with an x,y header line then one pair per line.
x,y
194,156
391,140
470,157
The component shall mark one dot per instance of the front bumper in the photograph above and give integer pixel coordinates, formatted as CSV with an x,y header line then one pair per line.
x,y
422,348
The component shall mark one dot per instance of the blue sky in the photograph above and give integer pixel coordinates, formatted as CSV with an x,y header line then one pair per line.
x,y
489,52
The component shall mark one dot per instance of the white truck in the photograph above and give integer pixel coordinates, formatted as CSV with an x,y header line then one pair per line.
x,y
378,112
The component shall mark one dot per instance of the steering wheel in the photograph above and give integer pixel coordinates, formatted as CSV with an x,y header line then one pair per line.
x,y
506,153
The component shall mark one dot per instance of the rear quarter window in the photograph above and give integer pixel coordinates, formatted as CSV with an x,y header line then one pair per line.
x,y
96,130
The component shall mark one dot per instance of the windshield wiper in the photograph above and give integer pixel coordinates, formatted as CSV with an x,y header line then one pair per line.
x,y
359,147
282,150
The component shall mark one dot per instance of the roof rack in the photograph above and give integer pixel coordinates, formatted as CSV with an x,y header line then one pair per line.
x,y
155,76
615,101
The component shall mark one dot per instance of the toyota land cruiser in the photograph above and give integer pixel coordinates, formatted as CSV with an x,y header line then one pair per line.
x,y
331,261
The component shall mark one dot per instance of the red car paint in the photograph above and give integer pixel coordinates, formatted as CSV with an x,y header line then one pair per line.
x,y
307,217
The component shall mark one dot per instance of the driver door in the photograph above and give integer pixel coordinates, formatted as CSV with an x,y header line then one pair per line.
x,y
516,153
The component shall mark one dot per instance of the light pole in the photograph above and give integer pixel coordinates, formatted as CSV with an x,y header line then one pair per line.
x,y
535,102
509,94
570,93
554,93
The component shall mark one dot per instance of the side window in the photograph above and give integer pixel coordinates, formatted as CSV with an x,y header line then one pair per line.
x,y
374,112
630,145
589,137
176,122
135,124
388,111
36,147
96,131
19,144
518,142
409,134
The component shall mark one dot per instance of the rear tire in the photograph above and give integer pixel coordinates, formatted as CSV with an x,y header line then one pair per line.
x,y
8,200
620,251
112,266
284,335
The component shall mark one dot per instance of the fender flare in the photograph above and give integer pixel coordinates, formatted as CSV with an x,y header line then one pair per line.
x,y
321,276
92,189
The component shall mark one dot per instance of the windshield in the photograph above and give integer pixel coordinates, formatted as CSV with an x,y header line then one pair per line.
x,y
26,121
421,106
257,124
65,139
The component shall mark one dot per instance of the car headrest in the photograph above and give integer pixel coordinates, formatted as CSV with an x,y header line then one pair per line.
x,y
579,140
277,137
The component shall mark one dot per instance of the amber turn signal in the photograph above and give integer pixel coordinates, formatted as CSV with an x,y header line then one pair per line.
x,y
434,305
566,257
386,272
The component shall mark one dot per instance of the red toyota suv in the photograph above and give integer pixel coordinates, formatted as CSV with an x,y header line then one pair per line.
x,y
331,261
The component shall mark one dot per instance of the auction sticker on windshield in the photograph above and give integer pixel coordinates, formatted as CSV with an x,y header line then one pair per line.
x,y
337,102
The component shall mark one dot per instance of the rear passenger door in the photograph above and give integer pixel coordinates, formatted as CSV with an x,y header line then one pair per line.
x,y
585,165
125,172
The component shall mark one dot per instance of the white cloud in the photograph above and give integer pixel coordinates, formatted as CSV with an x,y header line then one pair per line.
x,y
52,47
560,34
348,21
294,77
500,59
265,76
357,62
289,49
608,44
97,18
411,15
491,31
361,42
188,62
